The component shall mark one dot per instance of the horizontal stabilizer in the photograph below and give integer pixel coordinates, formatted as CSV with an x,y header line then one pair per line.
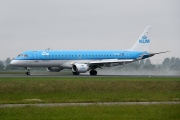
x,y
152,54
149,55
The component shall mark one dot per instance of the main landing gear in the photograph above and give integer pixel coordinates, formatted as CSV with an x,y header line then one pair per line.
x,y
93,72
28,72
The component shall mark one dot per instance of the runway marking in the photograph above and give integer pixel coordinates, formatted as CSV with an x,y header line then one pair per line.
x,y
86,104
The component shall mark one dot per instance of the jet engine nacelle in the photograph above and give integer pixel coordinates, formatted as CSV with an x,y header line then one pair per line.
x,y
80,68
54,69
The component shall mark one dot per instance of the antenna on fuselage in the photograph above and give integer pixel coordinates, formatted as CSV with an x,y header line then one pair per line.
x,y
48,49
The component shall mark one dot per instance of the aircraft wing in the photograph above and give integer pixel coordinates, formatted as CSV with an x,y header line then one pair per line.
x,y
109,61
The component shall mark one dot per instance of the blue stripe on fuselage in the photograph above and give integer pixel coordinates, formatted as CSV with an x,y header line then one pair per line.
x,y
79,55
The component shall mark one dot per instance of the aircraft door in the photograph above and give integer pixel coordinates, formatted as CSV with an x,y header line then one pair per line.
x,y
36,56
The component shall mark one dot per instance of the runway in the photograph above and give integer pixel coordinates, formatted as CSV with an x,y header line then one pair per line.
x,y
85,104
84,75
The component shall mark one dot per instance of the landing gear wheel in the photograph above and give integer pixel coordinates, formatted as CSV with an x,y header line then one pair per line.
x,y
27,73
75,73
93,72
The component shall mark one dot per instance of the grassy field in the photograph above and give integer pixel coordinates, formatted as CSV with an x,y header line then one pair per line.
x,y
118,112
88,89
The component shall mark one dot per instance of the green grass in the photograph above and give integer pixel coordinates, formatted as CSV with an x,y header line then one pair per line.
x,y
88,89
118,112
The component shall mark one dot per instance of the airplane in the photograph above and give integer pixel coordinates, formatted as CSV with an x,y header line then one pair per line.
x,y
86,60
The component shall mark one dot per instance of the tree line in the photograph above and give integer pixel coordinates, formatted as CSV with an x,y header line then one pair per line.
x,y
168,64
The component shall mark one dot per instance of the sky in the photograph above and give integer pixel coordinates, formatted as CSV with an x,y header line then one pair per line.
x,y
88,25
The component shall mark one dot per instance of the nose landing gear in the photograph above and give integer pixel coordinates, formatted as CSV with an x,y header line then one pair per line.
x,y
28,72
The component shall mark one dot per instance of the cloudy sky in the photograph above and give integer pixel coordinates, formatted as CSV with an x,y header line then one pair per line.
x,y
88,25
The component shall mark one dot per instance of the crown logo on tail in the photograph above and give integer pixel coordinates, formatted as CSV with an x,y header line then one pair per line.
x,y
144,39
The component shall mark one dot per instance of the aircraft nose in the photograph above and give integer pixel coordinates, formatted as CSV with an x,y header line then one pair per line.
x,y
13,62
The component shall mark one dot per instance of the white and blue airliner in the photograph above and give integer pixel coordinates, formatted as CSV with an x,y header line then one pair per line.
x,y
86,60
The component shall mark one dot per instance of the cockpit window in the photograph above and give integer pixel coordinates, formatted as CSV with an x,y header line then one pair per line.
x,y
25,55
22,55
